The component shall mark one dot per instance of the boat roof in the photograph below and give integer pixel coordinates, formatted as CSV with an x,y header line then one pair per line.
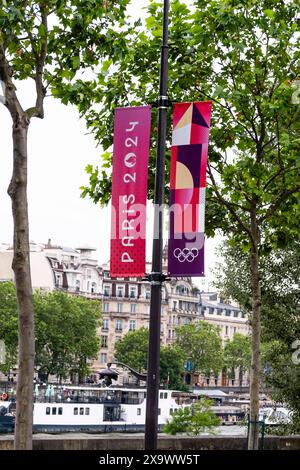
x,y
211,393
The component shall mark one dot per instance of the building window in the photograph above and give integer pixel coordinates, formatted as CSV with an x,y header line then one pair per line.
x,y
235,314
77,286
81,411
133,292
87,411
60,411
182,290
132,308
103,358
54,411
174,306
94,288
226,330
120,291
165,394
120,308
105,324
106,307
161,395
119,325
148,295
132,325
139,411
211,310
159,411
106,290
227,312
104,341
47,410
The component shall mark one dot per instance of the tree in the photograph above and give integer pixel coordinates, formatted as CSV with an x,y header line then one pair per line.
x,y
66,333
8,324
193,419
132,350
202,346
244,57
280,273
49,42
237,354
171,367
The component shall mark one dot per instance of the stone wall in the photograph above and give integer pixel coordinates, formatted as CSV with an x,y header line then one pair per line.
x,y
130,442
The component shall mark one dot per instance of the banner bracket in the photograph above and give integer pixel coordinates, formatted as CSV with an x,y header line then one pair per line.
x,y
156,278
162,102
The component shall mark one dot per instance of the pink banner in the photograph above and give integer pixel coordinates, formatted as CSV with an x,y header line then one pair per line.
x,y
129,191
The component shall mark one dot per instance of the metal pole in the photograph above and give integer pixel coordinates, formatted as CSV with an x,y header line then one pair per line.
x,y
156,277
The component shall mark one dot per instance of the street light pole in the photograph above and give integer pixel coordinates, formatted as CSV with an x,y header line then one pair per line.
x,y
157,277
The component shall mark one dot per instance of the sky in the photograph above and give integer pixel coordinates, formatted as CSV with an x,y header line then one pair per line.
x,y
59,148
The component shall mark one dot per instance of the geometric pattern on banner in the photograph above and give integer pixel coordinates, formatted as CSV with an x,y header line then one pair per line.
x,y
191,123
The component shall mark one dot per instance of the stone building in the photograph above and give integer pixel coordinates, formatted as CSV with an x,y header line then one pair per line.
x,y
125,303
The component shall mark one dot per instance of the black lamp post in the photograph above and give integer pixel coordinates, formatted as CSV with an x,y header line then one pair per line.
x,y
157,277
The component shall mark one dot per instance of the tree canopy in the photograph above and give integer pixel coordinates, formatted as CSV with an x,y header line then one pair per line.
x,y
132,350
280,273
66,331
202,346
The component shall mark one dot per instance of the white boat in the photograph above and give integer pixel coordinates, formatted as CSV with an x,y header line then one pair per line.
x,y
275,416
106,409
95,409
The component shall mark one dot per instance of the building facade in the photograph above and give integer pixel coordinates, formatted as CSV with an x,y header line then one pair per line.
x,y
125,302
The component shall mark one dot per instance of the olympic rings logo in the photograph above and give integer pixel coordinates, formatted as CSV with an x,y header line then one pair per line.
x,y
186,254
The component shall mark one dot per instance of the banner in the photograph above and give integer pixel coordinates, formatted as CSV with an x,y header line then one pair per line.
x,y
129,191
191,122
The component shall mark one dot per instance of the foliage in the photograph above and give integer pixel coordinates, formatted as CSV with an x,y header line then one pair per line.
x,y
132,350
8,324
280,273
282,378
66,330
193,419
202,345
171,370
244,59
237,353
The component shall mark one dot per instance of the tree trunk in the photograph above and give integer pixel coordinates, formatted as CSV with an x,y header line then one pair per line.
x,y
21,267
256,333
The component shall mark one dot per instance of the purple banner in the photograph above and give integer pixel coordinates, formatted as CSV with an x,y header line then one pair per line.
x,y
191,123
